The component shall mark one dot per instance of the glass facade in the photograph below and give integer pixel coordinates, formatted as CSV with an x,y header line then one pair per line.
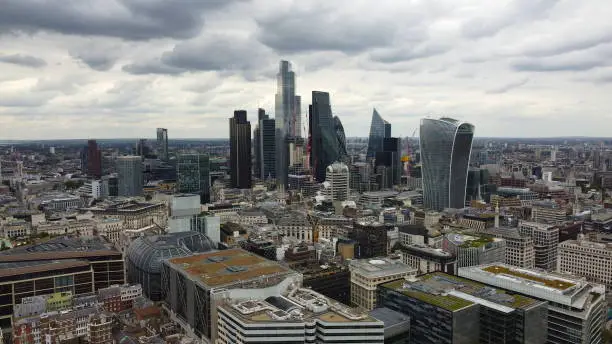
x,y
287,120
130,177
193,175
379,129
445,153
327,138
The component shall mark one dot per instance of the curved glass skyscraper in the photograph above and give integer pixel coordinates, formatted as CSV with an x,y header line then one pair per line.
x,y
446,145
379,129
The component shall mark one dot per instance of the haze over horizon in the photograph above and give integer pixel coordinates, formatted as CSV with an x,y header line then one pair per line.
x,y
121,68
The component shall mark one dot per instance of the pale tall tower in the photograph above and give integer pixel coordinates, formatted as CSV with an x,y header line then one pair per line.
x,y
287,120
162,143
337,181
130,180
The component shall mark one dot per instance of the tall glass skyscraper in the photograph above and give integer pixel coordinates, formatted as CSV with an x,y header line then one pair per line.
x,y
446,144
379,129
287,120
193,175
327,139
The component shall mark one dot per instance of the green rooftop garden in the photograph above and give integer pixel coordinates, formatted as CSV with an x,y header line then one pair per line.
x,y
448,302
481,241
552,282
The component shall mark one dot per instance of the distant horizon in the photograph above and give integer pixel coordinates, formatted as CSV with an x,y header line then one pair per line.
x,y
227,138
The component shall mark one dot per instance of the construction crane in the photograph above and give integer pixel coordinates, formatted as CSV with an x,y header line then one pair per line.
x,y
408,156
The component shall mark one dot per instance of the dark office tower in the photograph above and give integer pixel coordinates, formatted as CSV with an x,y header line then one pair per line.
x,y
193,175
130,178
390,157
240,150
162,143
264,143
379,129
142,148
287,121
445,152
327,141
94,159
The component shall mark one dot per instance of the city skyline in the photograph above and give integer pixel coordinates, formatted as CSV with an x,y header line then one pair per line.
x,y
121,75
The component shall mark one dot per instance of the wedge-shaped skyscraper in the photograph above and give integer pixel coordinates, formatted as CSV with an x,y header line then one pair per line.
x,y
446,144
379,129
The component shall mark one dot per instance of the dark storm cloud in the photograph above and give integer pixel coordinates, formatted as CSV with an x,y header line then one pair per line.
x,y
544,65
518,11
394,55
319,28
219,53
97,62
152,67
23,60
508,87
127,19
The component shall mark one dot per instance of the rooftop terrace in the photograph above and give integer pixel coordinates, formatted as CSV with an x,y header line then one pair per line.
x,y
454,293
545,280
226,267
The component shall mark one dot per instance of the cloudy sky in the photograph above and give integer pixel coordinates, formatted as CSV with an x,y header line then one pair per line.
x,y
121,68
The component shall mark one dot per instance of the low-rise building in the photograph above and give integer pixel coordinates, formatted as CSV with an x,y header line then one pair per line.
x,y
368,274
83,227
576,308
475,249
449,309
520,250
428,259
545,241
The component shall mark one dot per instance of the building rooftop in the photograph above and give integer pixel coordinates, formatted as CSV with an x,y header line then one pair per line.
x,y
376,267
454,293
427,250
560,288
29,267
298,306
60,248
548,281
225,267
473,240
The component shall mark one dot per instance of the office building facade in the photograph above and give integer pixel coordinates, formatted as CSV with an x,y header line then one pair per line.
x,y
592,260
337,182
368,274
193,175
445,151
240,150
162,144
545,241
130,177
264,147
287,120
